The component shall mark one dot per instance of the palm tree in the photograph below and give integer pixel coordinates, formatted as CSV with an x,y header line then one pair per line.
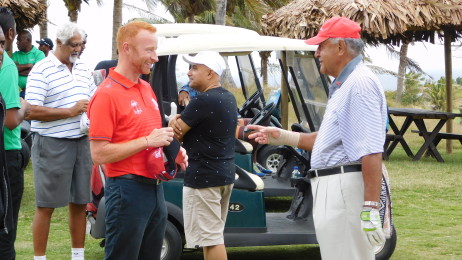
x,y
116,23
404,64
186,10
401,71
247,14
44,25
117,20
73,7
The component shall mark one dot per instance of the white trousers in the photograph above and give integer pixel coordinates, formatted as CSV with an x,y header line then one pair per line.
x,y
337,203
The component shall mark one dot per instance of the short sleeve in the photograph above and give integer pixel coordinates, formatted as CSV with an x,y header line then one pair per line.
x,y
39,56
193,114
362,132
36,87
102,115
9,86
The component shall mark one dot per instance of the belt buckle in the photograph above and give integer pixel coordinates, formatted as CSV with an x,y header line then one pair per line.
x,y
313,173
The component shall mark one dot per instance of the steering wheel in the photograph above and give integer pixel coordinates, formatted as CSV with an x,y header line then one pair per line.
x,y
249,103
264,116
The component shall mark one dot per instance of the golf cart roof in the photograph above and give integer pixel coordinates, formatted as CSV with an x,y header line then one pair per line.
x,y
192,38
177,29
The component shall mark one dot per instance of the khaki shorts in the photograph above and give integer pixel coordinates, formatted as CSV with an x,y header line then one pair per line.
x,y
204,213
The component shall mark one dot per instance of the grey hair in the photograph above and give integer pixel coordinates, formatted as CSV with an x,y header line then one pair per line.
x,y
67,31
354,46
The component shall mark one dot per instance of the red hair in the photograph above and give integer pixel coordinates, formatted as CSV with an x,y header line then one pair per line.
x,y
131,29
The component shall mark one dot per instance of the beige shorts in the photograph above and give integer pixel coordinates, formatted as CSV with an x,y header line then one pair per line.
x,y
204,213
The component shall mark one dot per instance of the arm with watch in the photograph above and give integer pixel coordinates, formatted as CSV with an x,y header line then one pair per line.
x,y
370,216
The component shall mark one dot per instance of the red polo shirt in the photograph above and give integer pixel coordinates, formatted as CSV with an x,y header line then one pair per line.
x,y
120,111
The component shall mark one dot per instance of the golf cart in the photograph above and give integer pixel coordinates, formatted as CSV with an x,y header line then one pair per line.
x,y
248,223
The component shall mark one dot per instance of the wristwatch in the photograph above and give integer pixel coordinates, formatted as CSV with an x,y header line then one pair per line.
x,y
373,204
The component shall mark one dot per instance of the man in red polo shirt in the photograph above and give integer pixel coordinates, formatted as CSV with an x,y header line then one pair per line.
x,y
126,130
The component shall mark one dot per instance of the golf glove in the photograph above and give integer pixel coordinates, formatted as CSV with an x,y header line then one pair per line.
x,y
84,123
372,226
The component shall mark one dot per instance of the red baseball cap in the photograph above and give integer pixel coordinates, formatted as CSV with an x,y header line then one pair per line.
x,y
337,27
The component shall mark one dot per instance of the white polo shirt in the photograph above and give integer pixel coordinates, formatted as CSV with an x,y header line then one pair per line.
x,y
51,84
355,119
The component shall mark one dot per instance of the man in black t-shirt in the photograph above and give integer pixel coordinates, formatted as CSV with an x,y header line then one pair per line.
x,y
207,127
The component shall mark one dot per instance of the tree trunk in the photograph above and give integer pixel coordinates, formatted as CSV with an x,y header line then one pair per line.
x,y
264,55
73,16
220,17
116,23
191,18
401,71
44,25
226,77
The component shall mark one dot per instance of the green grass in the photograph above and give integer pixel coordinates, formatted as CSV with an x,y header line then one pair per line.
x,y
426,204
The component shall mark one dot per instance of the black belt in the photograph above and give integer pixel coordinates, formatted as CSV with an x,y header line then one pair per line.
x,y
139,179
335,170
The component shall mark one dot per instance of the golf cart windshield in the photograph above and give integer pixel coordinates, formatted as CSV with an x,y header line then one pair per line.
x,y
240,49
307,88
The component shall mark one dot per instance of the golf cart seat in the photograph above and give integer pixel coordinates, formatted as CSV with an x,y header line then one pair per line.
x,y
243,147
247,181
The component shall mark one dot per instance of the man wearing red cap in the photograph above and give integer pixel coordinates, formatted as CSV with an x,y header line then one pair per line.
x,y
347,150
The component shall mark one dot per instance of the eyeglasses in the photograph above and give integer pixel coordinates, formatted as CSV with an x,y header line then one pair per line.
x,y
74,44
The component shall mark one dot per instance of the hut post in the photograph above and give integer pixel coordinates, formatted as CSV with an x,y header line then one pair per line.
x,y
284,94
448,68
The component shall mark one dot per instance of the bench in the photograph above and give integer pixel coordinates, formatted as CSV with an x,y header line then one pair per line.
x,y
440,136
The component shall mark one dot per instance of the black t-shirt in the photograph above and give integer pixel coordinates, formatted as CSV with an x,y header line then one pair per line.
x,y
212,117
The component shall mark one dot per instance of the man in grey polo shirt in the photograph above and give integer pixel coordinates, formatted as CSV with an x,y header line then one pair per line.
x,y
347,151
59,88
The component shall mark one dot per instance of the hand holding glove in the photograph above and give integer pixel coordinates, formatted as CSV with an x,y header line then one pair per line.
x,y
372,226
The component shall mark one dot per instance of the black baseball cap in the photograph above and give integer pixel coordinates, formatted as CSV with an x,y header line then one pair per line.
x,y
46,41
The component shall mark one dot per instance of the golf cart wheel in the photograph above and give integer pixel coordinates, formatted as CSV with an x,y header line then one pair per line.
x,y
172,245
384,252
269,158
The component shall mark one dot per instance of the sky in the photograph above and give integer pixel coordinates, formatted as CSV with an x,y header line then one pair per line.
x,y
97,22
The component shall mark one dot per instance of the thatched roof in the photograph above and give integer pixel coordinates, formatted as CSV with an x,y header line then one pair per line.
x,y
386,21
26,13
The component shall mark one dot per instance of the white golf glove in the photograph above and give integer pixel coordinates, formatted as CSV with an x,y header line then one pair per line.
x,y
84,123
372,226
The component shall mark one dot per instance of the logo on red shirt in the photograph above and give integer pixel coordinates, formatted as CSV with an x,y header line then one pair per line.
x,y
136,107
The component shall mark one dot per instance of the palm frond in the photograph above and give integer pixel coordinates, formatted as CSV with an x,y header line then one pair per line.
x,y
145,15
380,70
26,13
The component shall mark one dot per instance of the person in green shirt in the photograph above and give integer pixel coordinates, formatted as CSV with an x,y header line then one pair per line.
x,y
16,108
25,58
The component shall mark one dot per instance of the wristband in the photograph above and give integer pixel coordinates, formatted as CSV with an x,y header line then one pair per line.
x,y
147,144
373,204
286,138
